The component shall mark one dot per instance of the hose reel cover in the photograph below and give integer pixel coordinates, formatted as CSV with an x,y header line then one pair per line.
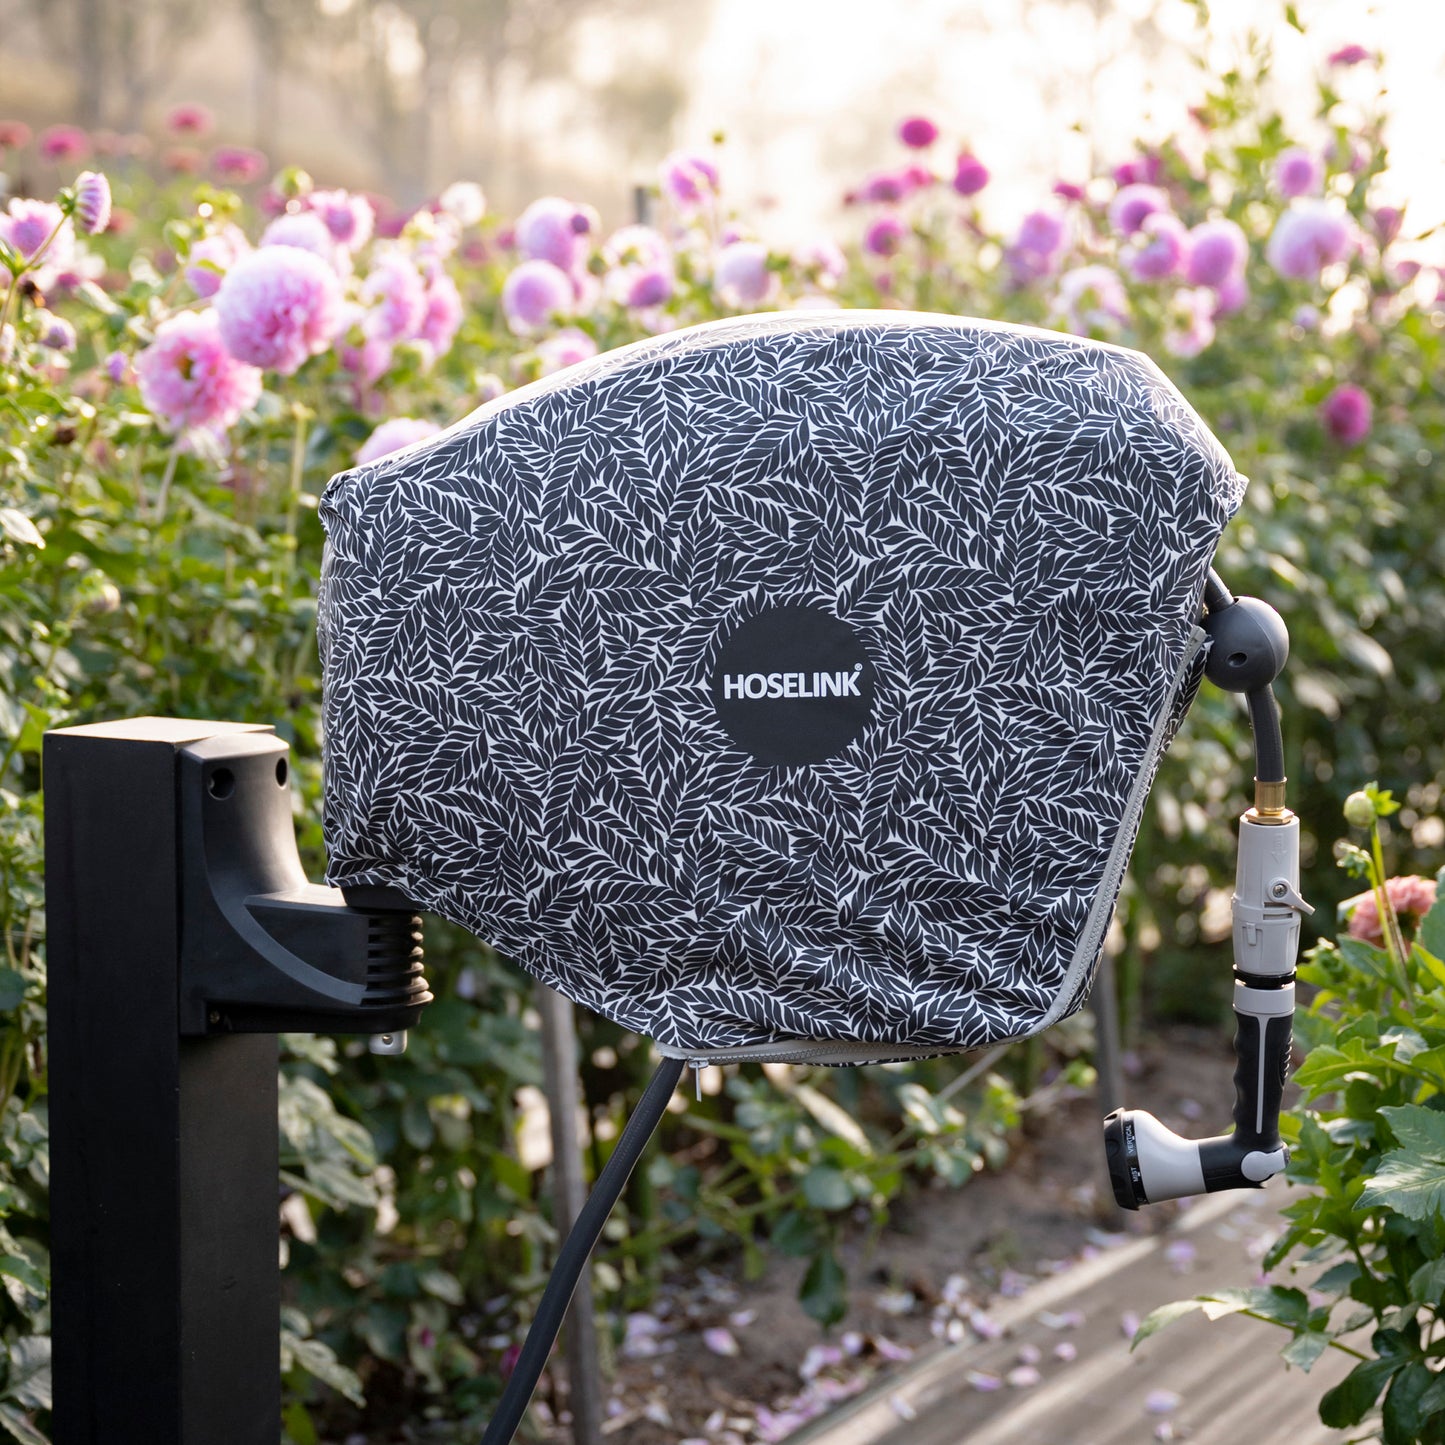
x,y
787,686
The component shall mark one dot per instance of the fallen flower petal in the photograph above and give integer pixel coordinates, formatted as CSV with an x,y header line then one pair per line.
x,y
1023,1376
1161,1402
720,1341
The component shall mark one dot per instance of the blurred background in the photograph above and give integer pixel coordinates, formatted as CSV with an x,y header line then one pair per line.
x,y
583,97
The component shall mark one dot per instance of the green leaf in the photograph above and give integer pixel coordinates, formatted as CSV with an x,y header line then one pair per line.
x,y
794,1235
1419,1129
20,1427
1427,1284
1349,1402
827,1188
1365,958
1328,1067
824,1291
1165,1315
317,1359
29,1379
1402,1416
1431,933
1273,1302
25,1272
12,989
19,528
1305,1349
300,1429
1407,1182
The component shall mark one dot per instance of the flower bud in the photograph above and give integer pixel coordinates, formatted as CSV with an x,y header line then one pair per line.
x,y
1359,810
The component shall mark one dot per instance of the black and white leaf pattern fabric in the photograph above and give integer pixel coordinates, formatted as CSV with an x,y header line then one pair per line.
x,y
521,624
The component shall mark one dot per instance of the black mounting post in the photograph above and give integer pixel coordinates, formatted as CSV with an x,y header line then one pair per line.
x,y
182,936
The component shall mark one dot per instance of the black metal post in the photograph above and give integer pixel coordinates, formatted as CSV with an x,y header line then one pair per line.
x,y
165,1278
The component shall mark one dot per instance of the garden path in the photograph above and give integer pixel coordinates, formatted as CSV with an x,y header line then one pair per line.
x,y
1210,1384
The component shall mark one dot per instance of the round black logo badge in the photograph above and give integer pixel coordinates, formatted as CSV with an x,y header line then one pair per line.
x,y
793,685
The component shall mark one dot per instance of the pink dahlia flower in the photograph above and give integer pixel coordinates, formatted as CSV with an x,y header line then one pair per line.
x,y
92,202
1191,322
822,259
918,132
1092,298
56,333
647,286
884,236
1160,248
1035,247
64,143
368,362
1308,237
688,180
238,165
1068,191
189,119
1298,172
348,218
566,348
741,275
278,306
1142,171
211,257
14,135
1347,415
442,316
1412,895
188,379
302,230
395,296
1217,251
1133,205
534,293
637,246
554,230
27,225
394,435
970,175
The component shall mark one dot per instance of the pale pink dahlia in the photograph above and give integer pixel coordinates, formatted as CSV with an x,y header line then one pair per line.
x,y
1191,322
395,297
92,202
464,202
211,257
534,293
1092,298
442,318
741,275
1308,237
566,348
554,230
392,436
27,225
188,379
304,231
278,306
688,180
1411,895
348,218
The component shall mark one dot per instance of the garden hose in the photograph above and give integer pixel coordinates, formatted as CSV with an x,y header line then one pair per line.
x,y
577,1250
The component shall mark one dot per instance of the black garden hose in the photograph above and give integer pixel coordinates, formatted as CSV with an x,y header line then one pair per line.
x,y
575,1252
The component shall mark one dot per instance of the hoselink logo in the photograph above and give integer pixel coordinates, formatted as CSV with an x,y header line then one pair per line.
x,y
757,685
792,685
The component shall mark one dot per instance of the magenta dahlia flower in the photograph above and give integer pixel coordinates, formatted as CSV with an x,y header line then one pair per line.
x,y
1133,205
237,165
918,132
534,293
189,119
884,236
188,379
1351,55
394,435
1298,172
1160,248
277,307
64,143
1347,414
970,175
1217,251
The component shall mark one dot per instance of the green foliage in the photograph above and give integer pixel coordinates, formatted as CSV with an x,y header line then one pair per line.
x,y
1367,1143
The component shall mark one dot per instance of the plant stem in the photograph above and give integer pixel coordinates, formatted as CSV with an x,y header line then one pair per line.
x,y
164,494
1389,920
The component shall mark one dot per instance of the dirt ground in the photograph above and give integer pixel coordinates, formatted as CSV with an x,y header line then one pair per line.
x,y
722,1360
